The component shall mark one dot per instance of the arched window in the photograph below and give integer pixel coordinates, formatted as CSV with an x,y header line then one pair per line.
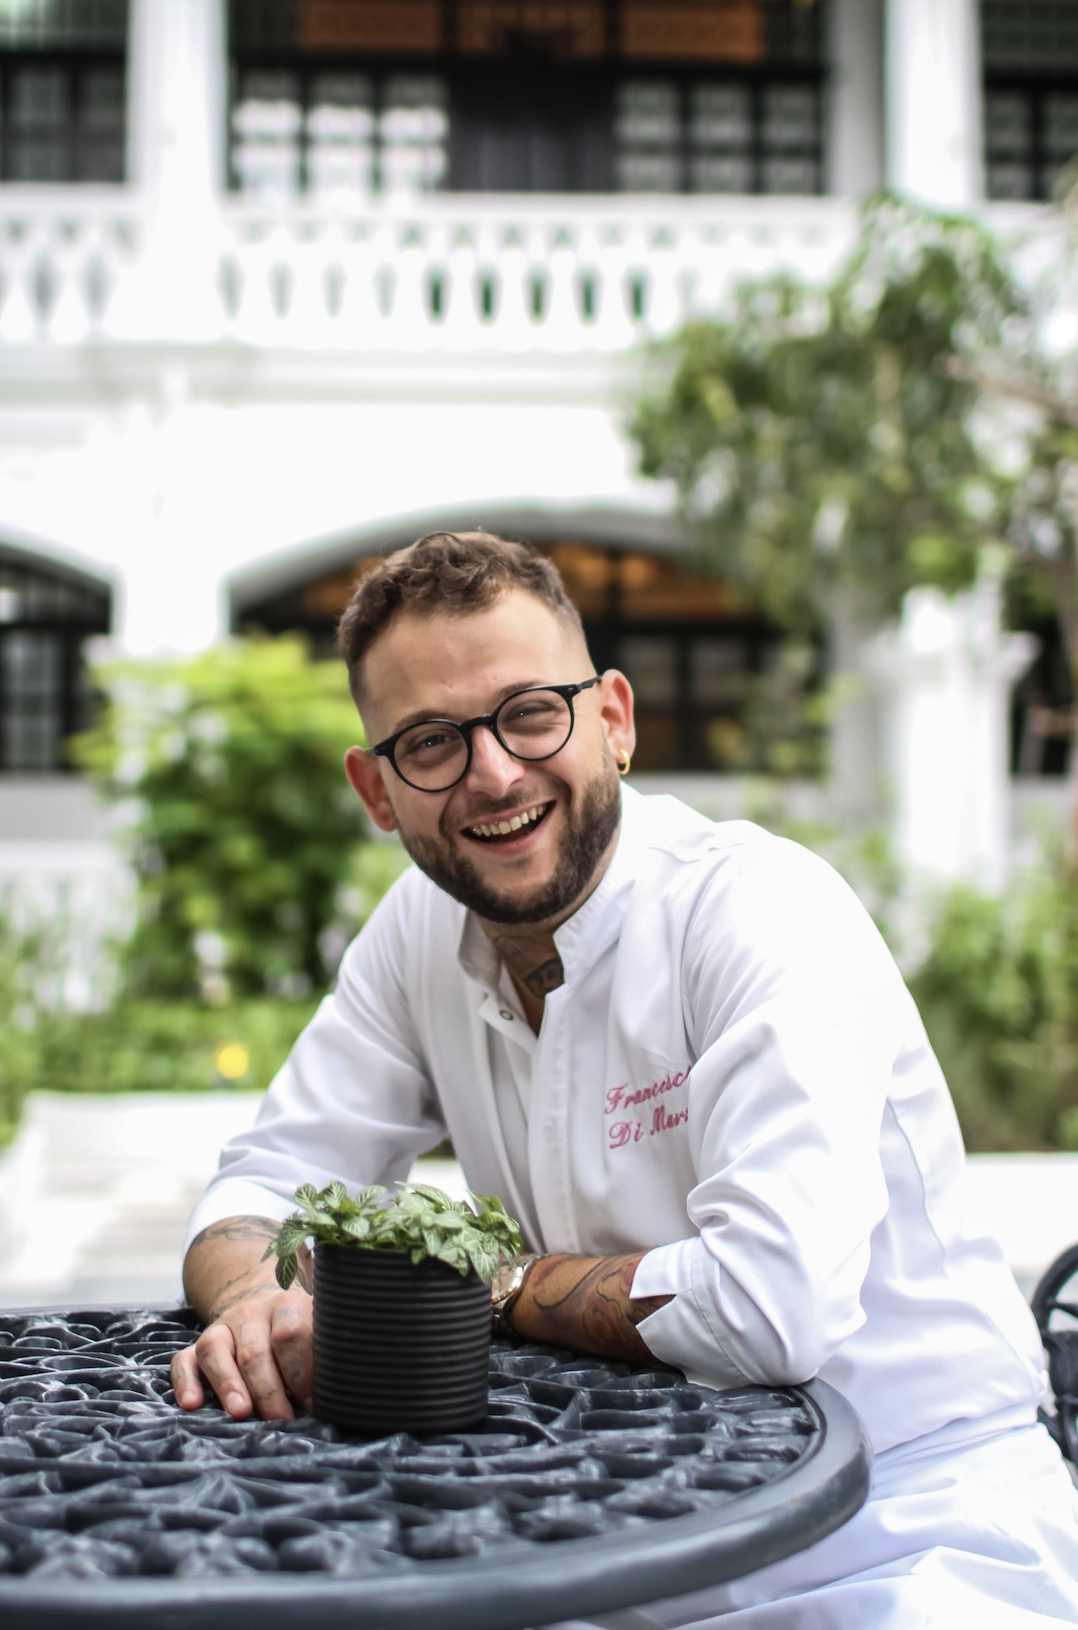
x,y
715,686
46,613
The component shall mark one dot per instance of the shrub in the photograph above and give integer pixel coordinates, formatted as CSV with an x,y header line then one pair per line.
x,y
998,991
247,841
31,977
166,1046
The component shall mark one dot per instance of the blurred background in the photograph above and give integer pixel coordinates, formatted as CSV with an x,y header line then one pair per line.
x,y
758,316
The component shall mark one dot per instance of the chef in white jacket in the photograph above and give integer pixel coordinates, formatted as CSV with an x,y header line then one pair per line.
x,y
682,1054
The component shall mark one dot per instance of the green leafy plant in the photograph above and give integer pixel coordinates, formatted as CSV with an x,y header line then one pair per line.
x,y
252,854
471,1235
998,992
840,445
163,1046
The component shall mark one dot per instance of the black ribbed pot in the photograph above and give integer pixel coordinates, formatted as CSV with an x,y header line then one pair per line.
x,y
399,1346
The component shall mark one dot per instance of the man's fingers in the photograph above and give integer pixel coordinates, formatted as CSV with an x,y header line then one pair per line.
x,y
217,1359
290,1334
254,1357
188,1388
259,1369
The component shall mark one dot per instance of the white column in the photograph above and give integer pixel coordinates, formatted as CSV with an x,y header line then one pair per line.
x,y
855,163
176,159
176,109
932,66
945,675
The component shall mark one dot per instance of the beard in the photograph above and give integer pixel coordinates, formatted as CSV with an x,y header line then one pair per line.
x,y
590,827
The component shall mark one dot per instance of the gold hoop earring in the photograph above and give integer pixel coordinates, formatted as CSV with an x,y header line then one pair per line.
x,y
623,769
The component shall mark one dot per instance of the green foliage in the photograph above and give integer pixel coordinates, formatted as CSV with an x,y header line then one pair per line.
x,y
841,437
782,730
470,1235
165,1046
998,992
245,834
22,955
135,1046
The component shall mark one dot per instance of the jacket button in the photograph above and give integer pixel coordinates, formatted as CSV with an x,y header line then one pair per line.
x,y
505,1013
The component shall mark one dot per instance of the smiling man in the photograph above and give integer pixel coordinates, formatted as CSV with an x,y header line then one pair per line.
x,y
683,1056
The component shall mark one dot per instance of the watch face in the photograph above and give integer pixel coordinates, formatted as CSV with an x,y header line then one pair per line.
x,y
501,1285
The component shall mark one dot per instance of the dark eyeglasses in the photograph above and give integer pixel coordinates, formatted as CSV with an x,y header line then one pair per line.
x,y
435,754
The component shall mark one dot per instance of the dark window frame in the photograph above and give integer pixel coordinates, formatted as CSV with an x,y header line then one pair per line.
x,y
1034,91
70,627
307,69
590,82
75,65
595,85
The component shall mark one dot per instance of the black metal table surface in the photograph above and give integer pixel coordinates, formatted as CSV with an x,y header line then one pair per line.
x,y
590,1486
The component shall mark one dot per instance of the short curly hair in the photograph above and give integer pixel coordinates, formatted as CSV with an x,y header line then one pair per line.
x,y
444,572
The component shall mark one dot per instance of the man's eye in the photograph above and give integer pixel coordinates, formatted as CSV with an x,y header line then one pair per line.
x,y
431,741
530,710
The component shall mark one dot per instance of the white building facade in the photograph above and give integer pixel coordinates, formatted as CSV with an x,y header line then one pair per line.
x,y
285,284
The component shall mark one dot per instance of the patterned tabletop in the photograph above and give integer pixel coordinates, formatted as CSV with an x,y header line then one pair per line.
x,y
589,1486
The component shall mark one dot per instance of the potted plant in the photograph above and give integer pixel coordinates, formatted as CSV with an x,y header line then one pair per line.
x,y
402,1315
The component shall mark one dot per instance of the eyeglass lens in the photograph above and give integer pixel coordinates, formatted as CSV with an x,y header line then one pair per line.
x,y
532,724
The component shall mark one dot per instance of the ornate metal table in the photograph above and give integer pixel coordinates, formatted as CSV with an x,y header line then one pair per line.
x,y
589,1487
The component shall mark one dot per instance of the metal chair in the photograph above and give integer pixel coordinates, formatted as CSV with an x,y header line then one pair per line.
x,y
1061,1345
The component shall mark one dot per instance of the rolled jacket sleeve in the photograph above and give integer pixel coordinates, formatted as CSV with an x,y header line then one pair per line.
x,y
353,1102
797,1025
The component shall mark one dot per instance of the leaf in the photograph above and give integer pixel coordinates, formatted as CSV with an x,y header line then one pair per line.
x,y
290,1235
427,1190
419,1219
286,1270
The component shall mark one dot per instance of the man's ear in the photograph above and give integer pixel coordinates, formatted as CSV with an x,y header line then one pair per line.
x,y
365,777
616,706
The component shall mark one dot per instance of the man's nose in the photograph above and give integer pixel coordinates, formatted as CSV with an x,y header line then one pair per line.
x,y
492,769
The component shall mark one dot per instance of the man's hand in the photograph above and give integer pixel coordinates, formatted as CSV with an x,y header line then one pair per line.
x,y
583,1302
255,1351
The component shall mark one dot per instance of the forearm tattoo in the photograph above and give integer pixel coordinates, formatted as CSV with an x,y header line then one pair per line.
x,y
224,1302
585,1303
259,1228
262,1230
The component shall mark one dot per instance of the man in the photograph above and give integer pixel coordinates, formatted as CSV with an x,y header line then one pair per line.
x,y
683,1056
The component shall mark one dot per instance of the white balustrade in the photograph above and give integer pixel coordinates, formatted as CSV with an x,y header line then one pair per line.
x,y
455,274
62,256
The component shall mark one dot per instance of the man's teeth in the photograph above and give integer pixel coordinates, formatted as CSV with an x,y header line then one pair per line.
x,y
502,829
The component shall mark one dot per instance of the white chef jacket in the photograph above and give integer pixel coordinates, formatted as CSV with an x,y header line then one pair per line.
x,y
732,1078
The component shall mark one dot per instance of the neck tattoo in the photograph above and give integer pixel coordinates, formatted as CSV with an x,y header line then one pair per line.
x,y
537,967
547,977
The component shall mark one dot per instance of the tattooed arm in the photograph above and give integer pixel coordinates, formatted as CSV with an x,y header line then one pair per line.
x,y
256,1348
583,1302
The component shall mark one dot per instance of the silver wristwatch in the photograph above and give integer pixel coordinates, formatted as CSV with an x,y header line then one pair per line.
x,y
506,1286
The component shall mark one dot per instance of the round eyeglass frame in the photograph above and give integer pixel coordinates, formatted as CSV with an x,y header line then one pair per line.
x,y
388,748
